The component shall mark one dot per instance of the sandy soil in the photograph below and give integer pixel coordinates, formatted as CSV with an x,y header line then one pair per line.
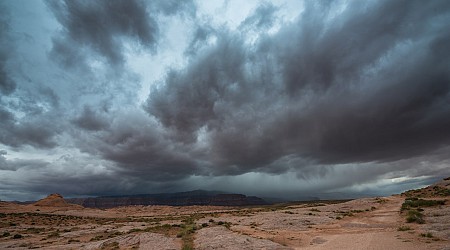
x,y
371,223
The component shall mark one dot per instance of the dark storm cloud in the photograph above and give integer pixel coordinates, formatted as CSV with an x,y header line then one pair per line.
x,y
13,165
140,147
199,39
91,120
172,7
262,18
370,84
103,26
7,84
37,132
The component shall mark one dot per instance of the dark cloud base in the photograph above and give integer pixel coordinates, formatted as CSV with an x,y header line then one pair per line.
x,y
372,85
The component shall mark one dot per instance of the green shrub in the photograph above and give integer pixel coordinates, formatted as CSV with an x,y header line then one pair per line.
x,y
416,203
414,216
428,235
403,228
53,235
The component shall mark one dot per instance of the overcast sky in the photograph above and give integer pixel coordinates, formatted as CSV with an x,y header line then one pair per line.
x,y
272,98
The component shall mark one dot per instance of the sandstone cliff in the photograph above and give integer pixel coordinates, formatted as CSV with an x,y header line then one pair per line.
x,y
197,197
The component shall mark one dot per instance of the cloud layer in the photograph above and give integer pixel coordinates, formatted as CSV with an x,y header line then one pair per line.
x,y
358,89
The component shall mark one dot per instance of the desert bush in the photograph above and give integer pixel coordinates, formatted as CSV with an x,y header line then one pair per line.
x,y
34,230
428,235
112,245
417,203
17,236
441,191
403,228
6,234
96,238
380,200
414,216
53,235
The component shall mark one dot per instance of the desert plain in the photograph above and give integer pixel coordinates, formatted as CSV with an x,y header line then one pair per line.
x,y
416,219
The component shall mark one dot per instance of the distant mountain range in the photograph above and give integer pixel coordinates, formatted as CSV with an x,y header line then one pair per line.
x,y
197,197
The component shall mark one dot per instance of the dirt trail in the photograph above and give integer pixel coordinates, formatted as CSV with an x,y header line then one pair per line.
x,y
371,230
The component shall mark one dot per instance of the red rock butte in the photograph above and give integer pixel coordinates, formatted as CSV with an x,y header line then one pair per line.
x,y
53,200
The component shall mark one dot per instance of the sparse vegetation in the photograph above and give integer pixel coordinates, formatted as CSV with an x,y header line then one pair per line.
x,y
34,230
344,213
17,236
380,200
187,233
97,238
441,191
428,235
414,216
110,246
403,228
417,203
413,206
53,235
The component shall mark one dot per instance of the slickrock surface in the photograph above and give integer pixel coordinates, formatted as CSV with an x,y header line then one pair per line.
x,y
222,238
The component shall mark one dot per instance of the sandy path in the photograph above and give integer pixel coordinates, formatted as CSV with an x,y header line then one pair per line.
x,y
372,230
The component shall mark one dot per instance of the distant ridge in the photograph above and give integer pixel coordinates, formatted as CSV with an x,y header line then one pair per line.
x,y
196,197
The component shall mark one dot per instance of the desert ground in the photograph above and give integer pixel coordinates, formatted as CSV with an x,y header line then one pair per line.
x,y
418,219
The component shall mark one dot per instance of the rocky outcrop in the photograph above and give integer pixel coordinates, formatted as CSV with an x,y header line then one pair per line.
x,y
197,197
54,200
